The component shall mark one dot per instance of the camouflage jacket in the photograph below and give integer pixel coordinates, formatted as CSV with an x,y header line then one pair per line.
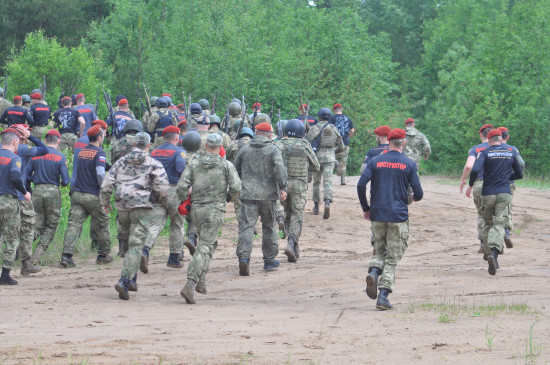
x,y
193,119
261,168
121,147
211,178
326,152
155,117
235,146
226,140
138,180
298,157
4,104
417,145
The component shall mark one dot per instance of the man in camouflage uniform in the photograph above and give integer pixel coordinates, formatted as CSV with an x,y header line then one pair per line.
x,y
138,180
418,146
205,105
146,116
344,125
47,172
161,119
197,117
26,101
4,103
212,179
173,160
298,157
11,185
264,179
232,151
329,142
215,125
85,200
390,175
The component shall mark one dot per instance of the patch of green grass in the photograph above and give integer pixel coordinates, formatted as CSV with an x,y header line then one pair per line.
x,y
450,310
533,182
532,348
446,317
489,337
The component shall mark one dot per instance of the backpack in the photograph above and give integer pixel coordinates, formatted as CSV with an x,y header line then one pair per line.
x,y
164,121
315,142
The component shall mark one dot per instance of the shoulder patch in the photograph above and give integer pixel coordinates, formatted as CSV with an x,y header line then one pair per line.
x,y
18,164
183,155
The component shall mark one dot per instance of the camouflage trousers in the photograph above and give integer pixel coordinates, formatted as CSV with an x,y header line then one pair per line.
x,y
134,223
84,205
390,242
326,174
10,221
294,206
237,204
38,132
509,222
67,141
495,210
478,185
250,211
46,199
157,220
342,158
209,221
26,230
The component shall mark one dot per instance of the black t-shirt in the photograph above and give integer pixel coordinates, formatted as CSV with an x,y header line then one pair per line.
x,y
10,164
89,158
16,115
41,113
373,152
67,120
344,125
310,119
390,174
49,169
121,119
496,162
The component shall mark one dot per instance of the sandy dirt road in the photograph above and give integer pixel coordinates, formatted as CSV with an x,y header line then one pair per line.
x,y
446,305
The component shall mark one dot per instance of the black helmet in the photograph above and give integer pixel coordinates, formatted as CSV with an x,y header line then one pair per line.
x,y
26,98
295,128
133,125
324,113
204,104
191,142
246,132
214,119
162,102
195,108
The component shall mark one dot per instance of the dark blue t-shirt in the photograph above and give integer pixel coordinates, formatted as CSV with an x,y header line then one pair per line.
x,y
390,175
88,113
66,119
474,152
89,158
514,150
497,163
172,158
26,152
41,113
373,152
120,118
310,119
344,125
78,145
16,115
10,164
49,169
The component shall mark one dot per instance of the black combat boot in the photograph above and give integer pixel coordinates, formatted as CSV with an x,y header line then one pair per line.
x,y
289,250
104,259
326,213
372,282
173,261
297,250
67,260
243,267
383,302
144,265
508,238
28,268
132,284
191,243
492,260
6,279
188,291
316,208
122,288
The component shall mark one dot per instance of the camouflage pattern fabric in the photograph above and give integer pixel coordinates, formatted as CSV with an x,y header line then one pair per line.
x,y
46,199
342,158
84,205
478,185
325,173
133,178
4,104
156,221
330,142
121,147
495,210
67,141
250,211
38,132
390,242
509,222
9,228
134,223
235,146
226,140
417,146
26,230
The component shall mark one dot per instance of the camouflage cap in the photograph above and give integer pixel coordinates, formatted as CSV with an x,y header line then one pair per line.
x,y
142,140
214,140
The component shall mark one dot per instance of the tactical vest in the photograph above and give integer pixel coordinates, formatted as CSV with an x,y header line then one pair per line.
x,y
164,121
328,137
296,159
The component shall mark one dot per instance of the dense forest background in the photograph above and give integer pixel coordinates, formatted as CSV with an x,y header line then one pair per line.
x,y
453,65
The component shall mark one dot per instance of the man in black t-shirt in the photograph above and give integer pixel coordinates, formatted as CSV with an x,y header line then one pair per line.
x,y
119,119
497,162
85,200
383,146
41,114
16,114
87,111
344,125
390,175
69,122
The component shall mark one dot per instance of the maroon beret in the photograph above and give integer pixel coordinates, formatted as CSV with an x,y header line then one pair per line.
x,y
397,133
96,129
264,127
494,133
100,123
485,126
122,102
409,120
170,129
337,105
53,132
37,96
382,131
